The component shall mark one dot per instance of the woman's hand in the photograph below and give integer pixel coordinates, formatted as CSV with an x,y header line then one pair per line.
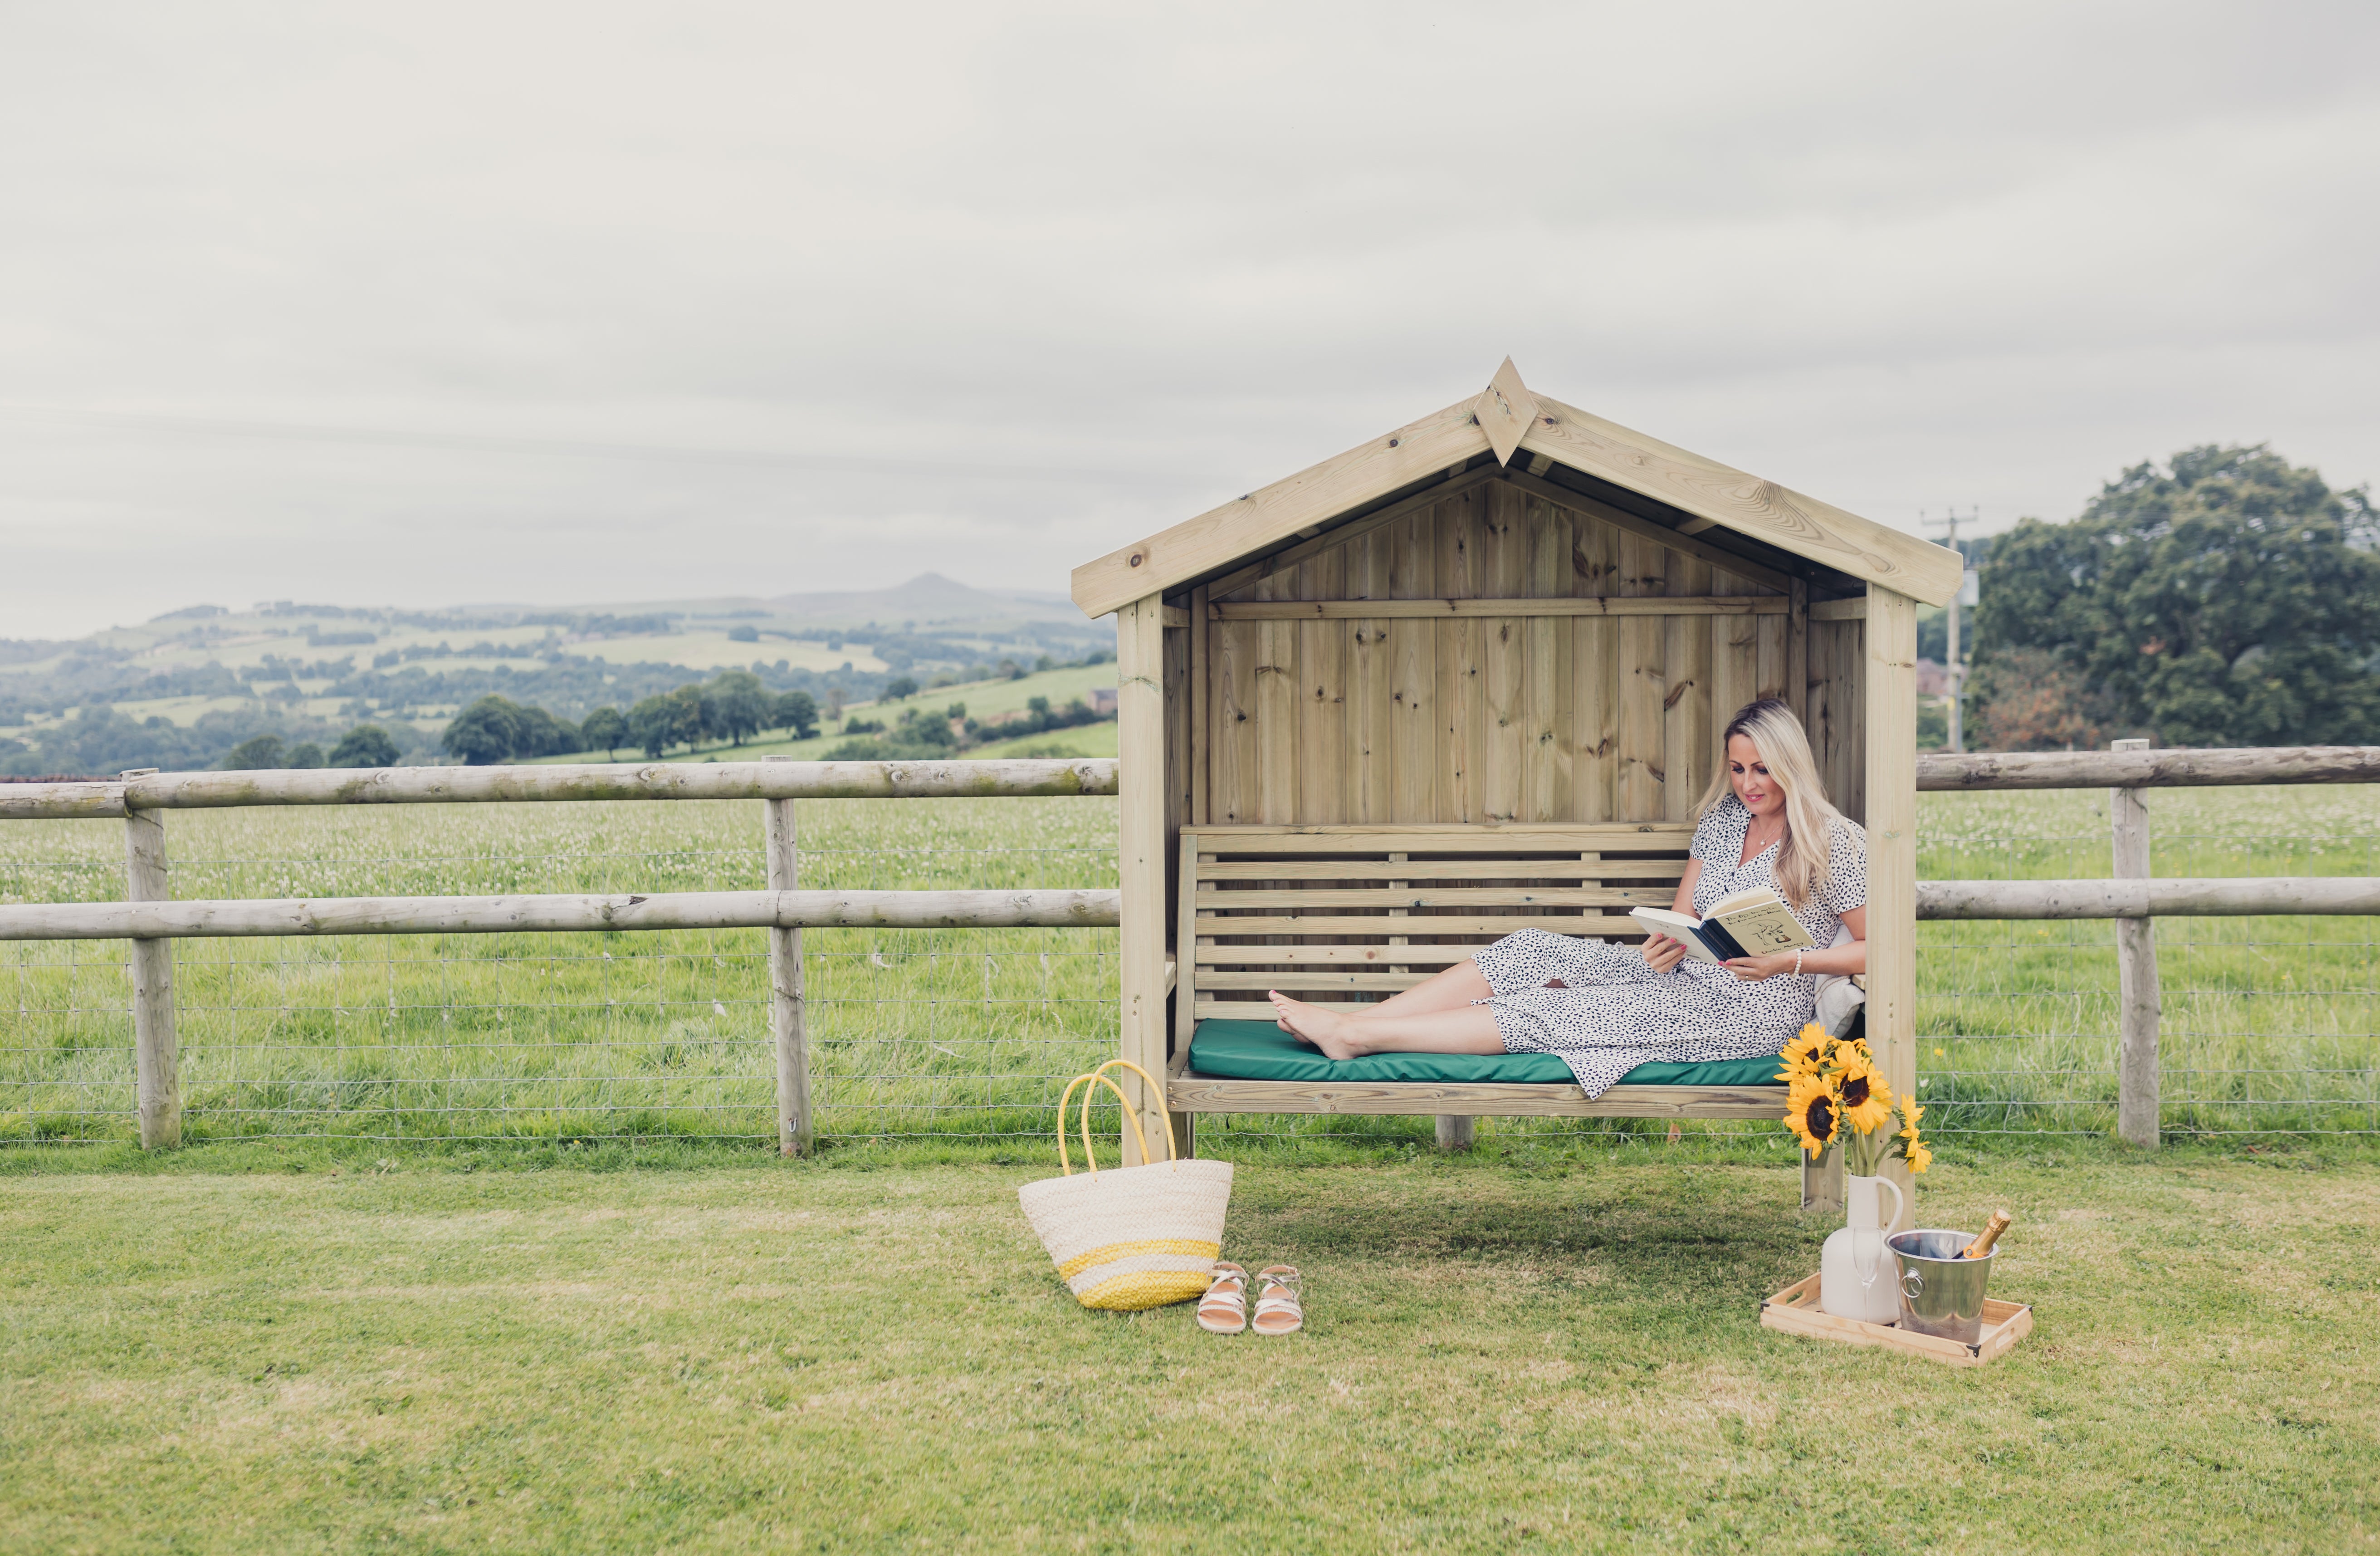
x,y
1662,953
1752,970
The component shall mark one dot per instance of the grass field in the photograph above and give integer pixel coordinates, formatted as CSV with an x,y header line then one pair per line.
x,y
950,1035
280,1350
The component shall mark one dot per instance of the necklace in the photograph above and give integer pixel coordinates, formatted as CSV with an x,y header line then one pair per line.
x,y
1751,851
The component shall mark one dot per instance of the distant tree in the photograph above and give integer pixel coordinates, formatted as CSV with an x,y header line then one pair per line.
x,y
488,731
542,734
256,751
605,729
303,754
744,632
956,710
1045,663
2231,599
796,712
900,689
918,727
652,725
364,746
740,704
2029,700
692,716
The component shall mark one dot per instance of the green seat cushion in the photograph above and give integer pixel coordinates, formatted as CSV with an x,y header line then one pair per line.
x,y
1260,1050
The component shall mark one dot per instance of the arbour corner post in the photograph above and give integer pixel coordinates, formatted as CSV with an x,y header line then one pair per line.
x,y
1892,854
1141,847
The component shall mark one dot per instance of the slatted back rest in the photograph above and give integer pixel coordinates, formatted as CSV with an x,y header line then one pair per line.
x,y
1349,915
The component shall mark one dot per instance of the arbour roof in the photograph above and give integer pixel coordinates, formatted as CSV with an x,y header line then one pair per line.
x,y
1505,419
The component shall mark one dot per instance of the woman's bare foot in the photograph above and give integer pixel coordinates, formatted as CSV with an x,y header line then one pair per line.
x,y
1326,1029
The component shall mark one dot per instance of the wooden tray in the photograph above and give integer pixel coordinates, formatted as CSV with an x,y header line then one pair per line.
x,y
1796,1311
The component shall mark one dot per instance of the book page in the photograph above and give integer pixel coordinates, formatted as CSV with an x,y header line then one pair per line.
x,y
1765,927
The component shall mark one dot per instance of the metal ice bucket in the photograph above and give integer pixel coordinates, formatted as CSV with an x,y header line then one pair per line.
x,y
1940,1293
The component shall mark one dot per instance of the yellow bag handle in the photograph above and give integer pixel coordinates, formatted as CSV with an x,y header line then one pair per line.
x,y
1099,1076
1095,1080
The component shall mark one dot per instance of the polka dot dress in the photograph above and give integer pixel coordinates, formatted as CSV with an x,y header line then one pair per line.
x,y
1613,1012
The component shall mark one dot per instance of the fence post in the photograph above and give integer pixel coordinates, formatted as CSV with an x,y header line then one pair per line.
x,y
1457,1131
156,1054
2136,971
788,1019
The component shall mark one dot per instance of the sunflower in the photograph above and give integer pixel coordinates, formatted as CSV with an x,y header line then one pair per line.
x,y
1910,1111
1803,1054
1813,1114
1866,1100
1917,1155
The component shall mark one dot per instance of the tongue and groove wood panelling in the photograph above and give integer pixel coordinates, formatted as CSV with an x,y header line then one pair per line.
x,y
1460,714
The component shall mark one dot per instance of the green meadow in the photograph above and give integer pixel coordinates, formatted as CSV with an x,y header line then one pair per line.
x,y
941,1037
250,1348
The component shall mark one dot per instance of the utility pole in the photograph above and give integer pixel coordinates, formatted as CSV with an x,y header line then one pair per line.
x,y
1957,668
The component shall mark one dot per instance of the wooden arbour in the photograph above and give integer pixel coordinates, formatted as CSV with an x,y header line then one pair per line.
x,y
1507,613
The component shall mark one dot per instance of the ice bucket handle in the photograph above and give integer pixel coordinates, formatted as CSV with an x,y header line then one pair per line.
x,y
1911,1283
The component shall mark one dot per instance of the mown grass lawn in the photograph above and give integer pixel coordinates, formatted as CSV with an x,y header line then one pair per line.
x,y
311,1351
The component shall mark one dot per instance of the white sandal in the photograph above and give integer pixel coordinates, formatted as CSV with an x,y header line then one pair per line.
x,y
1224,1308
1277,1309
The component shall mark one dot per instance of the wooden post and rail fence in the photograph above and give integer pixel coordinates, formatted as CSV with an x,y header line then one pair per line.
x,y
152,920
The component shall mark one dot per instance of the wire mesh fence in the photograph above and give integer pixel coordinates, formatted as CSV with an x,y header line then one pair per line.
x,y
968,1034
2268,1024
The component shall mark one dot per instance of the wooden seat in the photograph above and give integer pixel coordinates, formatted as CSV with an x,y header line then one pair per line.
x,y
1345,916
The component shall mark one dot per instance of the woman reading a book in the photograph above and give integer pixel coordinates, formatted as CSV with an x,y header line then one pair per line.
x,y
1767,830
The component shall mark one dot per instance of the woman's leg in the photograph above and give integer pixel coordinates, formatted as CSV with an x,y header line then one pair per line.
x,y
1450,990
1470,1029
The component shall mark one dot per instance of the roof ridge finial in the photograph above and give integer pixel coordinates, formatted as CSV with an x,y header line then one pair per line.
x,y
1504,411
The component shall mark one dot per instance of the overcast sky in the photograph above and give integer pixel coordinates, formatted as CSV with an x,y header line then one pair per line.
x,y
437,303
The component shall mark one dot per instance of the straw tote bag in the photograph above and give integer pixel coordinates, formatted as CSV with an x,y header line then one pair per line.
x,y
1130,1238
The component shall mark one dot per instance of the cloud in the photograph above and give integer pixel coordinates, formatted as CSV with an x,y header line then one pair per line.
x,y
448,302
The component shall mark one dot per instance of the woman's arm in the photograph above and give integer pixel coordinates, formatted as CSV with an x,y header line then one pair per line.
x,y
1661,952
1839,960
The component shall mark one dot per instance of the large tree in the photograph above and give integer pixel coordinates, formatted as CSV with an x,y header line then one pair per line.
x,y
2231,599
604,728
487,731
364,746
740,703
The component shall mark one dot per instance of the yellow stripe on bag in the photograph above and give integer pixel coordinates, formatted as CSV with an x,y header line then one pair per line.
x,y
1143,1290
1187,1247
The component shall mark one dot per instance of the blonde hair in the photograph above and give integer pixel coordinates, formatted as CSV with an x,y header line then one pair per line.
x,y
1810,817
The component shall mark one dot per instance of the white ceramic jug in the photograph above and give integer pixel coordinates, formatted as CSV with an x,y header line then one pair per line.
x,y
1855,1275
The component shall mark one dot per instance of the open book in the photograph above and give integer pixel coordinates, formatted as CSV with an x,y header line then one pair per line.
x,y
1751,923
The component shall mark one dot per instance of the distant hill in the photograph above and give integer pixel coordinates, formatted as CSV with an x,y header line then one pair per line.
x,y
929,600
180,688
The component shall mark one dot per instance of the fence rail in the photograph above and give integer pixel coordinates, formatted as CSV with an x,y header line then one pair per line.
x,y
114,799
2176,896
249,918
2134,766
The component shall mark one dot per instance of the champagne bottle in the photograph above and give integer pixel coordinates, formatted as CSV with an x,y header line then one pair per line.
x,y
1990,1234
